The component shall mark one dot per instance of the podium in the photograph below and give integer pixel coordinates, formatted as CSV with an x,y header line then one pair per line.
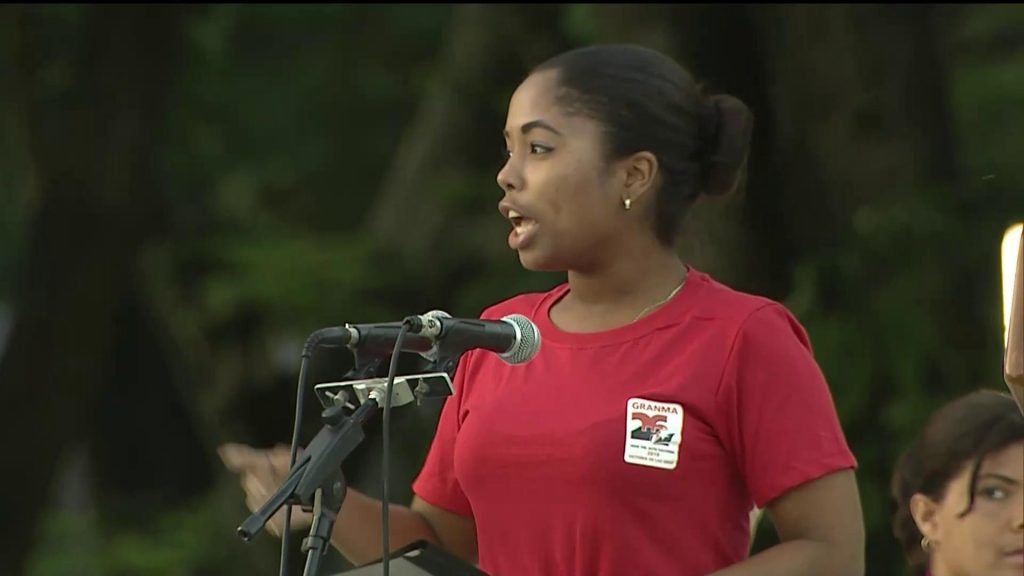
x,y
418,559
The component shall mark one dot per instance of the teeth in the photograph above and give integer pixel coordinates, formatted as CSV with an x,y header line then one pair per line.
x,y
514,214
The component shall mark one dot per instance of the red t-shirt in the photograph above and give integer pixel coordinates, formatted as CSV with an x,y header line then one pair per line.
x,y
634,451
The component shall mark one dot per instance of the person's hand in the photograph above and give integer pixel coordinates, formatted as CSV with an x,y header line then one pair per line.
x,y
261,472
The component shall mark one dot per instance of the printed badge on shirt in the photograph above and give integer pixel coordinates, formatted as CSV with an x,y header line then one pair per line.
x,y
654,432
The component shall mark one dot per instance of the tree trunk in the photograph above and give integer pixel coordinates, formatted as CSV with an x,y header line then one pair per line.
x,y
872,125
93,142
421,193
864,146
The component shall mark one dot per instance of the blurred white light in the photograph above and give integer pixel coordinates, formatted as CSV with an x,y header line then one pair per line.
x,y
1011,246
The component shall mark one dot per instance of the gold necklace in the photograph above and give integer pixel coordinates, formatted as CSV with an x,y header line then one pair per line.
x,y
656,304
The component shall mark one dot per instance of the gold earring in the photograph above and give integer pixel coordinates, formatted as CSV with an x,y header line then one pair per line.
x,y
926,544
627,202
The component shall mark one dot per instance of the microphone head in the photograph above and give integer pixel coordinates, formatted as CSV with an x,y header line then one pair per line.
x,y
527,343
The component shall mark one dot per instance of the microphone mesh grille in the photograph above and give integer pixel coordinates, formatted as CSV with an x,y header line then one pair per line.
x,y
529,340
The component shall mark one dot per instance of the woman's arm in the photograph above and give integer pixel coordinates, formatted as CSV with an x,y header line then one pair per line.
x,y
821,531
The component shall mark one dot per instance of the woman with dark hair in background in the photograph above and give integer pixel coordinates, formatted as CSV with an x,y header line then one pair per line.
x,y
959,490
550,468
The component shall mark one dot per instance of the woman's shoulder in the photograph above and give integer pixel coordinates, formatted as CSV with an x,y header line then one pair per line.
x,y
745,311
721,300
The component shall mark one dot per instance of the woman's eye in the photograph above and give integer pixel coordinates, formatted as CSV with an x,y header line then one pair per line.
x,y
506,152
993,493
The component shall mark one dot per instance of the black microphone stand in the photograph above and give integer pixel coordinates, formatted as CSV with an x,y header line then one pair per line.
x,y
316,483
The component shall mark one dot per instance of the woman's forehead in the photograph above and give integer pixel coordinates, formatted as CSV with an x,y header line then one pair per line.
x,y
1005,460
534,99
534,104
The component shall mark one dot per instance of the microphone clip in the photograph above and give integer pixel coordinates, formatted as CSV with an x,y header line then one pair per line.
x,y
407,389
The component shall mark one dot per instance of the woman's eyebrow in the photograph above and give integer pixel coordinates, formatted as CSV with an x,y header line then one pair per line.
x,y
535,124
1000,477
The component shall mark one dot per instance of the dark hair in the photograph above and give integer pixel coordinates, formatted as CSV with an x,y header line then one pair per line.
x,y
648,102
962,432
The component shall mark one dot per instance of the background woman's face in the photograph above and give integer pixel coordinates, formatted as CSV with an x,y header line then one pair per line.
x,y
988,540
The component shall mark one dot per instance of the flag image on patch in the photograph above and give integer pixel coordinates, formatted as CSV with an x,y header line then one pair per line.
x,y
654,433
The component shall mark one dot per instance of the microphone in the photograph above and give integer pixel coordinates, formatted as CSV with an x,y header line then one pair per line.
x,y
514,338
369,339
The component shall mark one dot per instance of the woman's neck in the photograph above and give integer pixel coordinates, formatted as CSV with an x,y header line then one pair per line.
x,y
626,280
621,289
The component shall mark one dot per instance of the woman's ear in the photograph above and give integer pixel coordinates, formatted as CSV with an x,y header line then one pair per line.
x,y
924,510
638,174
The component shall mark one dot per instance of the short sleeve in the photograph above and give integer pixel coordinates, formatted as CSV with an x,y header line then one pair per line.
x,y
436,482
780,419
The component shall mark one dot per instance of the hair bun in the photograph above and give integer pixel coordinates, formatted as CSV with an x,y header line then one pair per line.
x,y
726,125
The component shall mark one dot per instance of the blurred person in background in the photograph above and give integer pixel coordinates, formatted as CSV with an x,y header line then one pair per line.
x,y
959,490
529,471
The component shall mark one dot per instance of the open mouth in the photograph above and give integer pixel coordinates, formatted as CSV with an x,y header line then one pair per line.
x,y
522,230
519,222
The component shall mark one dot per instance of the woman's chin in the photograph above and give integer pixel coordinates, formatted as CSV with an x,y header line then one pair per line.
x,y
536,261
